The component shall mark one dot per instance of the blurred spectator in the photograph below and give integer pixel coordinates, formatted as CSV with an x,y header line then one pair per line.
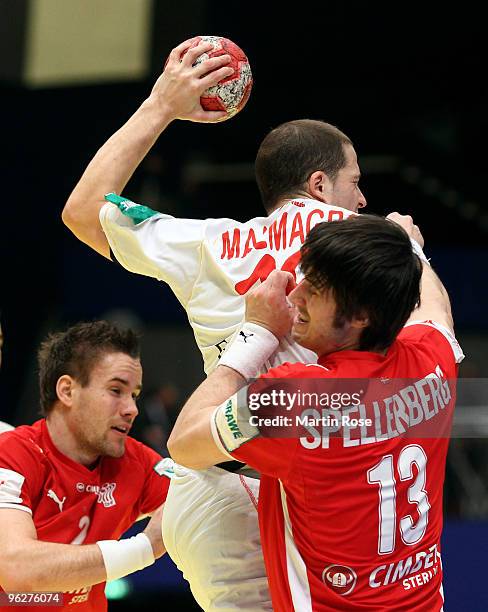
x,y
159,413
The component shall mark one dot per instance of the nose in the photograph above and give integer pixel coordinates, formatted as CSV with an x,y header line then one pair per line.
x,y
130,409
296,295
362,203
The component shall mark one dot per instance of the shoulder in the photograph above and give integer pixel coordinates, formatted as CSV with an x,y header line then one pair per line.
x,y
320,211
429,335
21,441
137,453
297,370
23,468
5,427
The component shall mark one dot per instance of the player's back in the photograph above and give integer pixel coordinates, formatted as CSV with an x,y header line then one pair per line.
x,y
358,506
210,264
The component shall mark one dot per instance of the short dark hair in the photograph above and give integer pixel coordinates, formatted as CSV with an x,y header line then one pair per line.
x,y
76,351
290,153
368,264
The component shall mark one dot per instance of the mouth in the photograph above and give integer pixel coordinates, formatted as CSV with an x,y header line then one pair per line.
x,y
123,430
299,319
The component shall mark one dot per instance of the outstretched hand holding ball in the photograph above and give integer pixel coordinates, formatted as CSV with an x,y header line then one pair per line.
x,y
205,79
231,93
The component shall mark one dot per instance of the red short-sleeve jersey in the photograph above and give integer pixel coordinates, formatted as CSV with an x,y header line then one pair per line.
x,y
353,520
71,504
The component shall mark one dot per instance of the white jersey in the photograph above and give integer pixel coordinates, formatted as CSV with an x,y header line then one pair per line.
x,y
210,525
210,264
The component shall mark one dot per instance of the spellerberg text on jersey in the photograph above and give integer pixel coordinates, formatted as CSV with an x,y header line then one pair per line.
x,y
413,408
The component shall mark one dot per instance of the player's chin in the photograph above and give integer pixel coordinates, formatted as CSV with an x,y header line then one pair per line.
x,y
298,333
115,449
300,336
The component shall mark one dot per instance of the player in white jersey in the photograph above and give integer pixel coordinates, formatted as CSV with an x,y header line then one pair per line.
x,y
307,172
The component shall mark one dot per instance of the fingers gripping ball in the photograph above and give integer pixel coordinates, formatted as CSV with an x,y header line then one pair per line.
x,y
232,93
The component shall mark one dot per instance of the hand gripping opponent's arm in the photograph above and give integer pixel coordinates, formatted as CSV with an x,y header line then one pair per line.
x,y
434,300
269,317
175,95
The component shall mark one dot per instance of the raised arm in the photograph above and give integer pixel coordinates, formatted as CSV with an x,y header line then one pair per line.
x,y
434,300
176,95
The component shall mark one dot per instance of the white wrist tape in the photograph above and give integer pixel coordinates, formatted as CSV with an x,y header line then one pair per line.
x,y
418,250
122,557
249,350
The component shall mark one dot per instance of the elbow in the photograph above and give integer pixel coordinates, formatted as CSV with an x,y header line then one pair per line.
x,y
69,215
174,447
178,447
15,579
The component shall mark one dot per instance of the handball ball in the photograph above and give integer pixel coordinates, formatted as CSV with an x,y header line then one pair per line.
x,y
232,93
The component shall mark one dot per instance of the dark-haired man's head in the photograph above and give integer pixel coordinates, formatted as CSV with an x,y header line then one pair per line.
x,y
361,283
308,158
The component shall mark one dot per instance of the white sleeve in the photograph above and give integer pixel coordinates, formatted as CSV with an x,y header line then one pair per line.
x,y
159,246
11,484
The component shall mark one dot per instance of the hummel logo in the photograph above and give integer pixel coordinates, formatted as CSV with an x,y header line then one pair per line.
x,y
245,336
56,499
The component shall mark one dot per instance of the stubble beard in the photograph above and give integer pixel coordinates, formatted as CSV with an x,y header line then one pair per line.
x,y
101,446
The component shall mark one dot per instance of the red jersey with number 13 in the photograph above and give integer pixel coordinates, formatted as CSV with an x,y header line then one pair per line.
x,y
353,521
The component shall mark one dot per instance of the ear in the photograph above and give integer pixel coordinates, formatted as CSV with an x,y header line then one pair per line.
x,y
65,388
360,322
319,186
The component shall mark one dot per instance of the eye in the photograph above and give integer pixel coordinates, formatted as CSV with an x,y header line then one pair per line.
x,y
312,289
116,390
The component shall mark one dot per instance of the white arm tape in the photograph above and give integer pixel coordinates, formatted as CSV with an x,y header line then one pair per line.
x,y
418,250
232,423
215,434
122,557
249,350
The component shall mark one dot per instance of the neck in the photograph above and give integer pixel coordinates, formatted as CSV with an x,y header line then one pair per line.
x,y
353,345
66,441
297,196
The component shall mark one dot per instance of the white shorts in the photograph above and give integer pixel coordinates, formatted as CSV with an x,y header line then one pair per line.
x,y
211,531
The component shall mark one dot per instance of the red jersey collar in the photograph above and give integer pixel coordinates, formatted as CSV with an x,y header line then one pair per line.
x,y
337,356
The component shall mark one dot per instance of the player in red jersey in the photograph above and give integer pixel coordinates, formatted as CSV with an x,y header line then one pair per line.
x,y
350,513
75,477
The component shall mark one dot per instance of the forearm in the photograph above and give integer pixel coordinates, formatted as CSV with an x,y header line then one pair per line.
x,y
434,300
111,169
220,385
191,442
45,566
241,362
